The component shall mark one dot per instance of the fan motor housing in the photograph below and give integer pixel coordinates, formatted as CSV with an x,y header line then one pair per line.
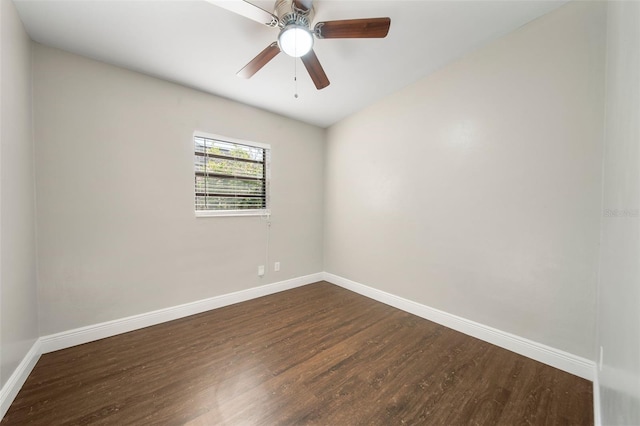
x,y
287,13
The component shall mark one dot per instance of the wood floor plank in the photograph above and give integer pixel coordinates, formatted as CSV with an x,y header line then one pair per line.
x,y
317,354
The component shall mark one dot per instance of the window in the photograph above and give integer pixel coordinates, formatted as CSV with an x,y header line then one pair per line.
x,y
231,176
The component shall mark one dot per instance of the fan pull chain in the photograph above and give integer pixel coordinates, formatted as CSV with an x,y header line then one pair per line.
x,y
295,78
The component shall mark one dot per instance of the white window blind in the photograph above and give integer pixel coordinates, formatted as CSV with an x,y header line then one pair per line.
x,y
230,176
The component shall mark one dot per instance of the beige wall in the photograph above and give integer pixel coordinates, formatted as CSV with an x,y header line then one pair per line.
x,y
477,190
18,297
117,234
619,287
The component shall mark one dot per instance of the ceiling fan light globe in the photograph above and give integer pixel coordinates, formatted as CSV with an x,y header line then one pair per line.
x,y
295,40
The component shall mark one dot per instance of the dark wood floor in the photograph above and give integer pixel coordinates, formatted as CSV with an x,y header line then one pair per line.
x,y
318,354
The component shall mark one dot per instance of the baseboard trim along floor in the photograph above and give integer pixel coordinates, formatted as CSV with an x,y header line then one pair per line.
x,y
556,358
597,416
90,333
565,361
11,388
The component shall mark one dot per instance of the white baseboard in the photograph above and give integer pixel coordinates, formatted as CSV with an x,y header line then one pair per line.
x,y
78,336
565,361
19,376
597,417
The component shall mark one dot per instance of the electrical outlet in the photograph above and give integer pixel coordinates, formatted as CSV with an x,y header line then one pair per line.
x,y
276,266
260,270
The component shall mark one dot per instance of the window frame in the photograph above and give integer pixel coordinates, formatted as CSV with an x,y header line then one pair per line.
x,y
267,176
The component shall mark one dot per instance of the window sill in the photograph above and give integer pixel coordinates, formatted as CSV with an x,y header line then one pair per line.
x,y
223,213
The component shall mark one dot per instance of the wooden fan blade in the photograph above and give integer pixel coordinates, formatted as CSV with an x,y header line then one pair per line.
x,y
248,10
303,5
353,28
312,64
259,61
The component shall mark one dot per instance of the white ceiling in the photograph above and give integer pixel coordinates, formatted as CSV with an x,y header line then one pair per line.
x,y
201,45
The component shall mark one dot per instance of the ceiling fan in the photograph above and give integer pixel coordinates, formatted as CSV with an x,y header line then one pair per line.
x,y
293,19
